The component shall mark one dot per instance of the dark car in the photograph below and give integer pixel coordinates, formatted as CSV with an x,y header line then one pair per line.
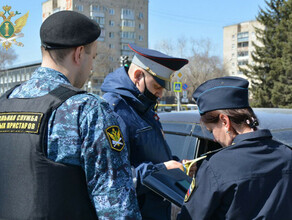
x,y
188,140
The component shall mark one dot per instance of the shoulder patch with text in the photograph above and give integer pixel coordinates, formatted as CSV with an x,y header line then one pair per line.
x,y
115,137
190,190
20,122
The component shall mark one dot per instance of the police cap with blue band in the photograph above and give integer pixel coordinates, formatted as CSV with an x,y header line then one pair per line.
x,y
228,92
159,65
67,29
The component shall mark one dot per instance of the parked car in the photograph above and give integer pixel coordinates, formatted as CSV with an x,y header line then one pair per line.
x,y
188,140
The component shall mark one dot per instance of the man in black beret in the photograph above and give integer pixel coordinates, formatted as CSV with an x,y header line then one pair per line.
x,y
132,93
65,155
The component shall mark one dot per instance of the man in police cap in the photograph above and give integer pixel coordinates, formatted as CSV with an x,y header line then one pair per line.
x,y
132,93
63,155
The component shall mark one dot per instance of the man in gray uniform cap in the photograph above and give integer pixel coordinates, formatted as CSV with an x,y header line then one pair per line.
x,y
132,93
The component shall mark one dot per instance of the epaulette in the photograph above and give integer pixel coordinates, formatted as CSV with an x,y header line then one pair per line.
x,y
209,153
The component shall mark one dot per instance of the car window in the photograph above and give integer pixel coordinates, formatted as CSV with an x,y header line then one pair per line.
x,y
283,136
182,146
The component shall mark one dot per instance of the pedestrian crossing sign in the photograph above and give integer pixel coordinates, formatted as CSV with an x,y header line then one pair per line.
x,y
177,87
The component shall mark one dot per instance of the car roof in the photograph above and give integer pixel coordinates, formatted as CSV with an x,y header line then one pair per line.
x,y
270,118
279,121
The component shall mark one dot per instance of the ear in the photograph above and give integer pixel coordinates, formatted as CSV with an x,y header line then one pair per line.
x,y
78,53
138,75
224,119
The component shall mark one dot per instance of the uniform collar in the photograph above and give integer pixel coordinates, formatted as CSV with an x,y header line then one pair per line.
x,y
264,133
51,75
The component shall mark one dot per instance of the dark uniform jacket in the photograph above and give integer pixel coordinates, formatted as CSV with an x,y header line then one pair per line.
x,y
148,148
251,179
29,180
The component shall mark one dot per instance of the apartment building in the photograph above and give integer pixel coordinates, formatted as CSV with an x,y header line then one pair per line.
x,y
237,45
121,22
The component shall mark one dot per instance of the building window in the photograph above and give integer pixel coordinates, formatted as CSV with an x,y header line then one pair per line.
x,y
242,44
111,46
141,38
79,7
128,35
111,11
127,14
233,45
111,23
99,20
141,16
141,26
95,8
242,53
126,11
242,62
102,32
128,23
125,47
242,37
111,34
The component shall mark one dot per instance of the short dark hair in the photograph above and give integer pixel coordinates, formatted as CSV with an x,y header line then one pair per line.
x,y
244,116
58,55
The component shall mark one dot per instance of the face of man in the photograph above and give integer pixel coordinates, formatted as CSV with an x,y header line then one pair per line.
x,y
87,63
154,87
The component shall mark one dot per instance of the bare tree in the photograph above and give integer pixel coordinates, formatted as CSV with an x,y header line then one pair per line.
x,y
104,60
202,65
7,57
165,46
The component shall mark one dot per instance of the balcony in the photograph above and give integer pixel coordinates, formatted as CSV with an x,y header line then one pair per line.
x,y
241,49
243,39
126,28
96,14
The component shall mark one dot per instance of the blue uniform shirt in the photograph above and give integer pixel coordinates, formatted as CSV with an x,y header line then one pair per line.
x,y
148,148
76,135
251,179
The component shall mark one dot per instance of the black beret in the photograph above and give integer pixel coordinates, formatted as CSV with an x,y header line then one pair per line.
x,y
66,29
228,92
